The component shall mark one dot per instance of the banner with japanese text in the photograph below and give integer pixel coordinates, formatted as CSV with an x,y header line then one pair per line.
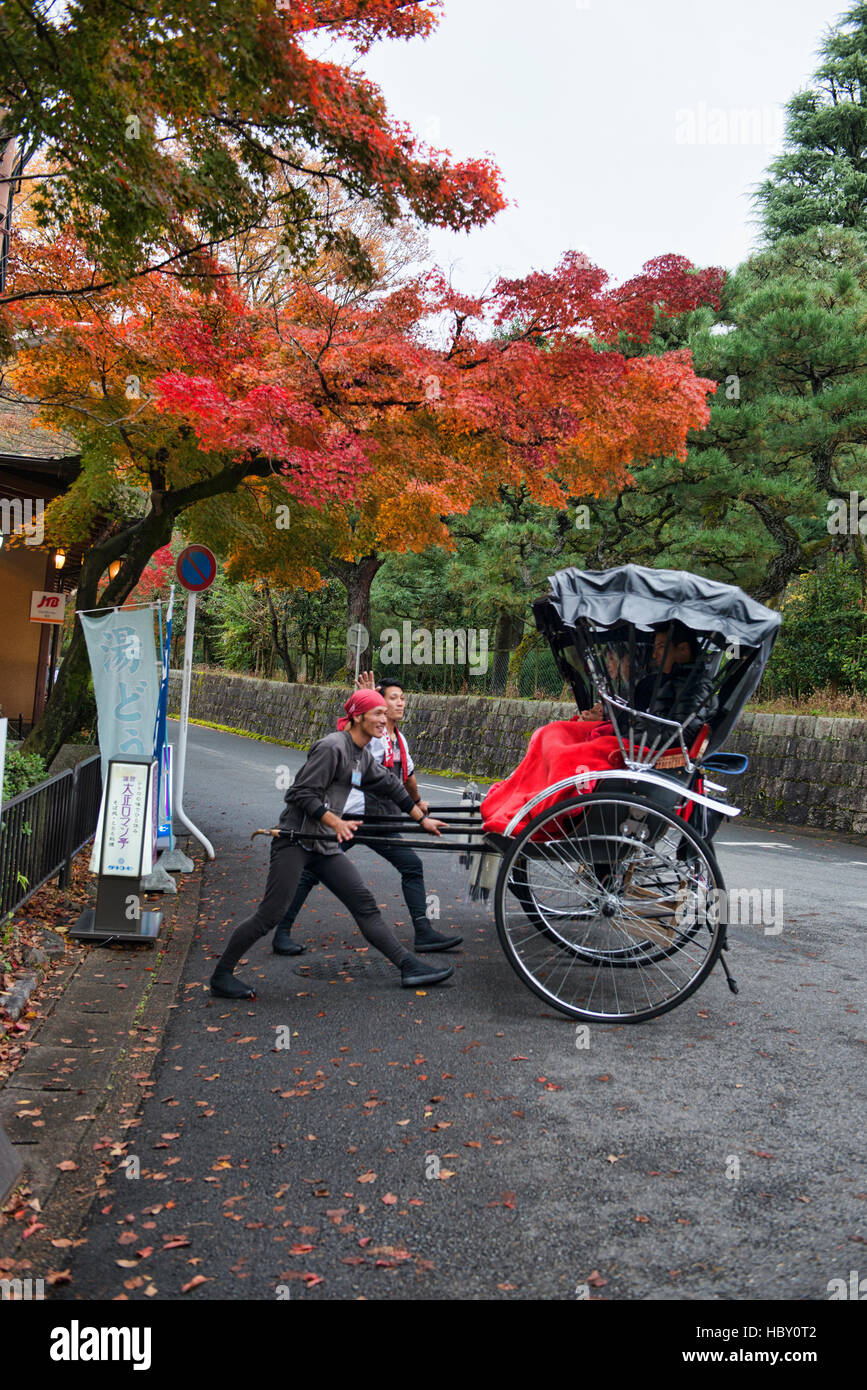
x,y
126,679
162,748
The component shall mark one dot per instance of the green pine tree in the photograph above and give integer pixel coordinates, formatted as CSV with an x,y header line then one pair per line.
x,y
821,176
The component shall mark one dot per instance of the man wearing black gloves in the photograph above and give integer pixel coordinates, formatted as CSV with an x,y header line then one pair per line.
x,y
314,803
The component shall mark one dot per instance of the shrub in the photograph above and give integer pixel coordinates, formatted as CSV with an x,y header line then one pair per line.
x,y
823,641
22,771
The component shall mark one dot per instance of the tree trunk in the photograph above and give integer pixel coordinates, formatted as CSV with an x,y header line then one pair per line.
x,y
528,643
134,546
357,576
278,637
507,635
326,641
790,558
859,550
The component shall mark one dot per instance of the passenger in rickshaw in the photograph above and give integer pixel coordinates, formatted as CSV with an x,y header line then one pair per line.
x,y
680,686
686,687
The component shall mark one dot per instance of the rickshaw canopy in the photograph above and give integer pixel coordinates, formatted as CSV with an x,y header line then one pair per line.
x,y
648,597
584,606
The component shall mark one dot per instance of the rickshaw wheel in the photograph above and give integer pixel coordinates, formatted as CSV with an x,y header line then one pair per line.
x,y
607,908
547,919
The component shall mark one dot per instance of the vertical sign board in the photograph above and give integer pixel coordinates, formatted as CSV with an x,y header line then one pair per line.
x,y
162,747
124,831
165,836
125,851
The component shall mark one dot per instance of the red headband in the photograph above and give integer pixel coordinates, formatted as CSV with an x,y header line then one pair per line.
x,y
359,703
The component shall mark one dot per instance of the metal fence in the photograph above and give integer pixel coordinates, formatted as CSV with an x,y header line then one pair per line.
x,y
539,678
44,828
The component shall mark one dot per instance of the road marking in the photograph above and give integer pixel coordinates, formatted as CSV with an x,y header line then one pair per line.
x,y
755,844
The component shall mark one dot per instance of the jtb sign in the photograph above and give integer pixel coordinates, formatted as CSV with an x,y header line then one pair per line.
x,y
47,608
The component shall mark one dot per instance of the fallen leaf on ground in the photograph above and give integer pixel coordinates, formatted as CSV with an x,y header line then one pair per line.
x,y
194,1283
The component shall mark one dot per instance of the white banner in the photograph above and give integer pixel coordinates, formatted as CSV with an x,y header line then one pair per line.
x,y
123,659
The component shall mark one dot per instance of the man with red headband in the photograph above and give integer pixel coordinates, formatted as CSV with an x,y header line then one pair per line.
x,y
314,804
392,752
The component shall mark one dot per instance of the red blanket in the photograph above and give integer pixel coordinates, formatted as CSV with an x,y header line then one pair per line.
x,y
555,751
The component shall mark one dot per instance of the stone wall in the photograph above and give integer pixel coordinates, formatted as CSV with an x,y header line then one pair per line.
x,y
803,770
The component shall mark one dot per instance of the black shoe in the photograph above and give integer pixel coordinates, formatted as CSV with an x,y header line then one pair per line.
x,y
283,945
426,939
226,986
414,972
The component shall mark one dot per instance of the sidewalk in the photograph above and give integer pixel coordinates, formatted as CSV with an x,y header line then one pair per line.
x,y
69,1106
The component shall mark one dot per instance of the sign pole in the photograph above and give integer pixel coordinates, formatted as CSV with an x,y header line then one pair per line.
x,y
189,637
361,639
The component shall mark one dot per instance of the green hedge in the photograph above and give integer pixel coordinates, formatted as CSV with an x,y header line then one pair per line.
x,y
21,772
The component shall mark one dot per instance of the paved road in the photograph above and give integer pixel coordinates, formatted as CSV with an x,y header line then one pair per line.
x,y
713,1153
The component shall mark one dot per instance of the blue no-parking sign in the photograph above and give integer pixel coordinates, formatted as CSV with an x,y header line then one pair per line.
x,y
196,568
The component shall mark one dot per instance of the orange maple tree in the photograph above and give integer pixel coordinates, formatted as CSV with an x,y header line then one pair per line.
x,y
372,415
437,421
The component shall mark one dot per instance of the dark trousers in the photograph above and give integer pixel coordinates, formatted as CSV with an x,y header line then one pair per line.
x,y
404,859
338,874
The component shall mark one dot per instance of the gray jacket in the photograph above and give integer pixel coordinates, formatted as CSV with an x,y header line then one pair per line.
x,y
323,785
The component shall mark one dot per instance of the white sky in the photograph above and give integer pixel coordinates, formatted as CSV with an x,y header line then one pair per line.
x,y
620,126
